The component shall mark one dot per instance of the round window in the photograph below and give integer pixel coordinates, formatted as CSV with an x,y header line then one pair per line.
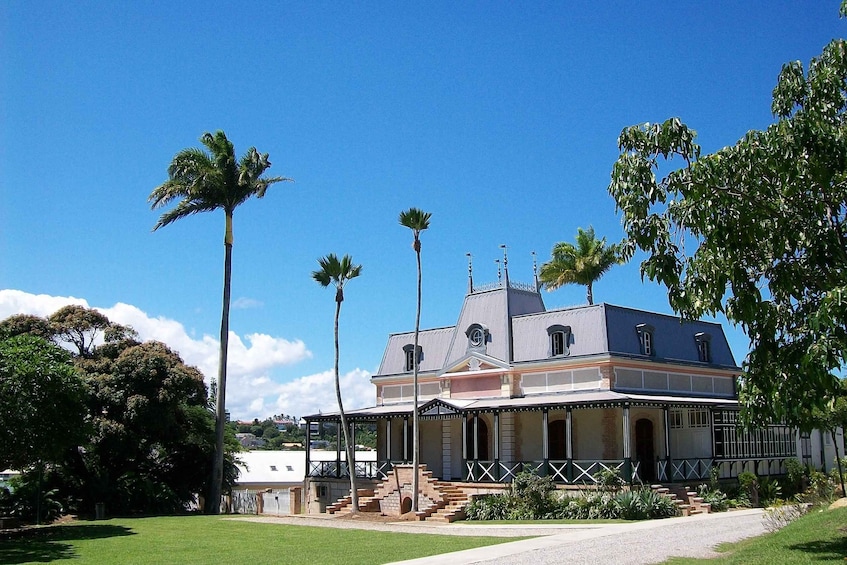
x,y
476,337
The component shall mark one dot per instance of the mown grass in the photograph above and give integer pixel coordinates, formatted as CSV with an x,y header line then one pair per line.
x,y
211,539
818,537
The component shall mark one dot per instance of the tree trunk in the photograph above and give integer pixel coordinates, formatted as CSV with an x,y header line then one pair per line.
x,y
213,505
349,448
590,294
838,462
416,432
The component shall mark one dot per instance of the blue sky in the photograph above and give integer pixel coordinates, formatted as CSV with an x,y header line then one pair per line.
x,y
500,119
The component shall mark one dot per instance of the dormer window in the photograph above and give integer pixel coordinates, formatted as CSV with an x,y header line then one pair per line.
x,y
477,337
645,338
410,357
704,347
560,337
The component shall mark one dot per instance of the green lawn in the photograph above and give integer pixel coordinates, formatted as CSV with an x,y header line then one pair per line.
x,y
211,539
818,537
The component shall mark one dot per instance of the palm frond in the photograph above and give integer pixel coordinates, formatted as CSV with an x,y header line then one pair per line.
x,y
583,263
415,219
336,271
182,209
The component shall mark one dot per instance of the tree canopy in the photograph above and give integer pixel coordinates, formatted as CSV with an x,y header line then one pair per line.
x,y
125,423
583,263
755,231
42,410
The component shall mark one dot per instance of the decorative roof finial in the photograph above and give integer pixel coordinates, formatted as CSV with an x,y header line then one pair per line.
x,y
499,271
505,264
470,273
535,271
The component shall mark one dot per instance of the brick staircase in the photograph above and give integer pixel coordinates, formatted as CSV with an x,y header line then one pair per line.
x,y
439,501
690,503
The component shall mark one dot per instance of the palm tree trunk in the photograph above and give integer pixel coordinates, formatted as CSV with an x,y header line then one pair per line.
x,y
213,506
416,433
349,448
590,294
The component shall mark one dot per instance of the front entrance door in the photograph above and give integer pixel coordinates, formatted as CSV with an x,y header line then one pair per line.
x,y
644,450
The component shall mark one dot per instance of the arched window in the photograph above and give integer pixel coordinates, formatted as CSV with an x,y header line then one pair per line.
x,y
560,337
704,347
645,339
410,357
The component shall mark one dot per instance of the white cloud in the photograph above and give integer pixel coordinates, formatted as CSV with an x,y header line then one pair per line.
x,y
252,391
244,303
316,393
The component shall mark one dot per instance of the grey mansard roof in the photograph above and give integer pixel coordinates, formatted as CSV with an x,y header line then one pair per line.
x,y
517,324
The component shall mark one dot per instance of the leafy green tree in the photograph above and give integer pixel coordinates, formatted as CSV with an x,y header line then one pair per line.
x,y
153,430
756,231
416,220
78,326
201,181
26,324
830,418
337,273
583,263
42,409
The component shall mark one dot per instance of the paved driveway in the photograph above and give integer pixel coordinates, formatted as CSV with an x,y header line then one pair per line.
x,y
651,541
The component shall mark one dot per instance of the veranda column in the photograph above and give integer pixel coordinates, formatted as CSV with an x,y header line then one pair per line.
x,y
668,461
351,465
497,445
627,455
569,441
388,440
308,446
338,436
545,441
465,446
476,436
405,439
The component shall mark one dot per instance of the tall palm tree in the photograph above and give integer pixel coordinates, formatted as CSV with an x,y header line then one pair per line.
x,y
583,263
416,220
337,273
203,181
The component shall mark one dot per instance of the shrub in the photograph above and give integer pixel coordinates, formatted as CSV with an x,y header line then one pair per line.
x,y
29,501
714,497
489,507
531,496
796,476
749,485
770,491
609,479
821,489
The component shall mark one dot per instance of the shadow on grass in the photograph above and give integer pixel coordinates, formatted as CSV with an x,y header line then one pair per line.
x,y
835,550
43,545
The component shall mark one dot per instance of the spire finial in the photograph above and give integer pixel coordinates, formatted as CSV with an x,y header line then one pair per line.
x,y
535,271
499,271
470,273
505,264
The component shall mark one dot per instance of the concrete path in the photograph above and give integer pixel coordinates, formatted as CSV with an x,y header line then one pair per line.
x,y
650,541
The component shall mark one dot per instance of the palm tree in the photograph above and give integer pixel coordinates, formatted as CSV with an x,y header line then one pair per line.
x,y
417,221
337,273
583,263
202,181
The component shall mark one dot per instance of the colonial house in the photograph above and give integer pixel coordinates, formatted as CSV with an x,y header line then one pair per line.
x,y
566,392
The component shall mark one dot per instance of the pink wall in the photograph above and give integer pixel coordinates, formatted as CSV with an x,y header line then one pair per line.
x,y
475,387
